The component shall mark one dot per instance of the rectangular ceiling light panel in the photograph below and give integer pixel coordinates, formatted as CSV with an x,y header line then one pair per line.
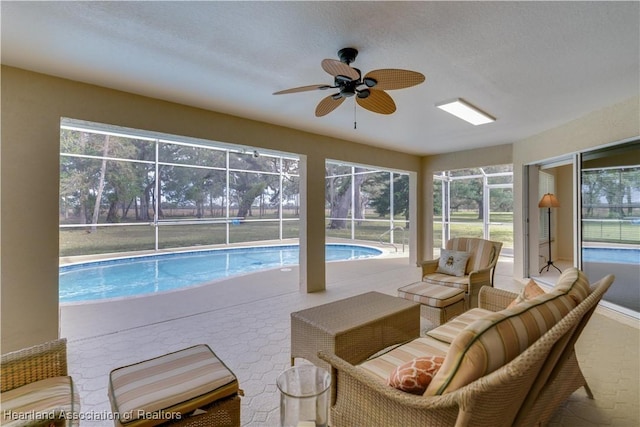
x,y
462,109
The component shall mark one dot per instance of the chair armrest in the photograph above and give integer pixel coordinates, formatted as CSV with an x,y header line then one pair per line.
x,y
33,364
483,276
430,266
480,278
495,299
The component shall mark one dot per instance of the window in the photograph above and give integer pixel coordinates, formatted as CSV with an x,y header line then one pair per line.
x,y
610,221
128,190
365,203
476,202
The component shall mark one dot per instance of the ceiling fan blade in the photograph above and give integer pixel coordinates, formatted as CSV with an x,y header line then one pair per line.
x,y
328,104
303,89
378,101
392,78
337,68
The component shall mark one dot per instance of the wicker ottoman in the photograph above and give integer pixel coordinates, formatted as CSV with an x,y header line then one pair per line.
x,y
437,303
190,387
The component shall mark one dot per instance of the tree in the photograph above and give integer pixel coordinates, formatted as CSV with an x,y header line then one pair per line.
x,y
118,175
382,201
338,192
246,187
76,173
290,185
501,200
437,197
591,188
468,194
103,172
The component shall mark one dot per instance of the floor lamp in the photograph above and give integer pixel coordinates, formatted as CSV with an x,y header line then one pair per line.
x,y
549,201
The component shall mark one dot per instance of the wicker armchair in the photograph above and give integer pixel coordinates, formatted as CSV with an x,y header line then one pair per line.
x,y
562,375
515,394
40,373
480,267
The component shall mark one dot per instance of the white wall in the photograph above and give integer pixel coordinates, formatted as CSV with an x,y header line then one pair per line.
x,y
614,123
32,106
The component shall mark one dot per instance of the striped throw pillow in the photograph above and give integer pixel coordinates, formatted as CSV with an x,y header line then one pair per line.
x,y
447,332
530,291
574,283
493,341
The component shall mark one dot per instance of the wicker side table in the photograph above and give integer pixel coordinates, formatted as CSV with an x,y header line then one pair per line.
x,y
353,328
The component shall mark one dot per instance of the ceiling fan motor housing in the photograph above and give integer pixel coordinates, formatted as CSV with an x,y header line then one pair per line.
x,y
347,55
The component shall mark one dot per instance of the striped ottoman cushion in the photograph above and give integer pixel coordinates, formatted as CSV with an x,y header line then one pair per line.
x,y
431,295
178,382
55,396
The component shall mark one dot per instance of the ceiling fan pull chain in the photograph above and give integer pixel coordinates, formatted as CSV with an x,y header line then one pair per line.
x,y
355,125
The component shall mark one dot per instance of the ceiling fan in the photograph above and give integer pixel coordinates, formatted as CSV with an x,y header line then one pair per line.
x,y
368,90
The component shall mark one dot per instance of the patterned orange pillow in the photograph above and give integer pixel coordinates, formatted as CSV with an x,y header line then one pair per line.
x,y
415,375
530,291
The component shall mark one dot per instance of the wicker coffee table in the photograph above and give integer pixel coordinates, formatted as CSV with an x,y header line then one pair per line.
x,y
353,328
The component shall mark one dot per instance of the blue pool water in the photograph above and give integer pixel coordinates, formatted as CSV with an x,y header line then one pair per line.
x,y
158,273
616,255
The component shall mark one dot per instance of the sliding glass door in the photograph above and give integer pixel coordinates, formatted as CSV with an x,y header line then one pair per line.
x,y
610,220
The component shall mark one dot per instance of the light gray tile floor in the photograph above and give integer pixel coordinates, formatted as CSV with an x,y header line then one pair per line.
x,y
246,322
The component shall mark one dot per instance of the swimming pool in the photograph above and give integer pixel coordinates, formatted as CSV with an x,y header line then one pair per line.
x,y
141,275
615,255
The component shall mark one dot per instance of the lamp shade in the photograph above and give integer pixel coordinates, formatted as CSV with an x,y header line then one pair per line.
x,y
549,201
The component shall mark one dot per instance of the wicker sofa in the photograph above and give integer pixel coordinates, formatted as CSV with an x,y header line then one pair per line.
x,y
36,389
494,373
479,270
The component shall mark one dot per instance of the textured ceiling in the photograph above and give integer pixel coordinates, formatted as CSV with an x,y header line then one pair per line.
x,y
533,65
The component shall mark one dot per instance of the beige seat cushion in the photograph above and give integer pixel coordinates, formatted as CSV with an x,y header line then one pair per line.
x,y
56,396
448,331
447,280
176,382
382,365
496,339
430,294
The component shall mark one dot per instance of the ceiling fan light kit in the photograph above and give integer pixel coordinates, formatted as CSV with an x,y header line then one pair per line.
x,y
369,91
466,111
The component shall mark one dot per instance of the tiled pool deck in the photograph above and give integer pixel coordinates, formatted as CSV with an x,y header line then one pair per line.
x,y
246,322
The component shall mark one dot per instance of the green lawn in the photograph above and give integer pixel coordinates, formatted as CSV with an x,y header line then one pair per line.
x,y
137,238
75,242
469,225
611,231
